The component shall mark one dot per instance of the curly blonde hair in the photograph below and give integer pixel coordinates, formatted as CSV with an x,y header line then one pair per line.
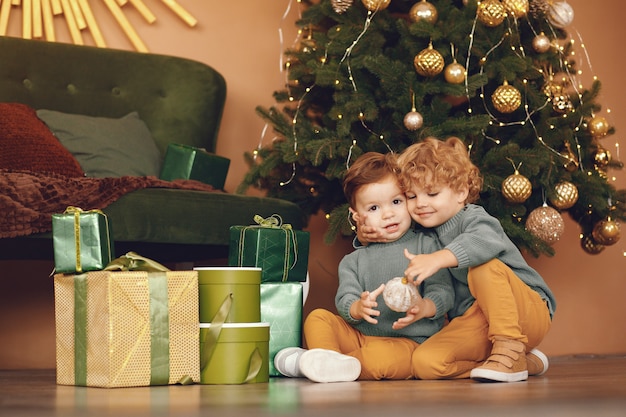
x,y
434,163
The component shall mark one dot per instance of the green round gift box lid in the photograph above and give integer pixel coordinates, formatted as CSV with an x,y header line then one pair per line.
x,y
229,275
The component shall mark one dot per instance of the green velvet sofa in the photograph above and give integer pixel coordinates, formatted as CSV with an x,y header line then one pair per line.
x,y
180,101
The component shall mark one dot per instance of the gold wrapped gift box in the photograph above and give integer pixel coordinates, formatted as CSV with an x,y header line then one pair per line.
x,y
127,328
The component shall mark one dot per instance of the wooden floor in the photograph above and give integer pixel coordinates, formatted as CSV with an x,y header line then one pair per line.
x,y
573,386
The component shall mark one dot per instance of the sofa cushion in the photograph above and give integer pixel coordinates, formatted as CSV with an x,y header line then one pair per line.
x,y
26,143
106,147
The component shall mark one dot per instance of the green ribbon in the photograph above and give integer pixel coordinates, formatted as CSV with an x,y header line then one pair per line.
x,y
159,329
80,330
77,211
213,333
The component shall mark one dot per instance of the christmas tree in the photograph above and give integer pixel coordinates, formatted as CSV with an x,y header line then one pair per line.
x,y
379,75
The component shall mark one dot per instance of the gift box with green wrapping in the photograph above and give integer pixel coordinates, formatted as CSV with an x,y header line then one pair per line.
x,y
81,241
191,163
281,252
133,324
281,307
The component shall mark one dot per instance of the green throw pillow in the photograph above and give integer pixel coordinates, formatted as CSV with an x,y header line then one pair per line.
x,y
106,147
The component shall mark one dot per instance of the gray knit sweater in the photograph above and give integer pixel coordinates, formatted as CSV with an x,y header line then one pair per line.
x,y
475,237
368,267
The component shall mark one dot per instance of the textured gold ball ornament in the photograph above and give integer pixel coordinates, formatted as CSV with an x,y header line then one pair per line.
x,y
491,12
606,232
561,103
375,5
545,223
425,11
400,295
517,8
428,62
516,188
454,73
602,157
413,120
591,246
541,43
566,195
560,14
341,6
598,126
506,98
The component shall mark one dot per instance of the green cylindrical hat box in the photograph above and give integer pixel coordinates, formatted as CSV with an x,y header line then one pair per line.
x,y
216,283
242,352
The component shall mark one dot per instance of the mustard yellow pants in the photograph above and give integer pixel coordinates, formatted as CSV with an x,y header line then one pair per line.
x,y
505,306
380,357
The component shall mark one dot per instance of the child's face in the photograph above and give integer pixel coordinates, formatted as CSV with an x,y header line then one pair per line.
x,y
432,208
383,205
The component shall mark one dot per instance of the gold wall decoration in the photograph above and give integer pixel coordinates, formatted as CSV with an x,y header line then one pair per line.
x,y
38,18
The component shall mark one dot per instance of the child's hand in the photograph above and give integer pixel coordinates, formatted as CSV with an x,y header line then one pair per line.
x,y
365,233
424,307
423,266
365,308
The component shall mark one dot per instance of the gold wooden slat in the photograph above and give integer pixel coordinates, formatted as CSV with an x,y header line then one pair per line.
x,y
126,26
37,24
16,2
143,10
92,24
5,11
78,15
77,38
181,12
122,2
56,7
48,24
27,20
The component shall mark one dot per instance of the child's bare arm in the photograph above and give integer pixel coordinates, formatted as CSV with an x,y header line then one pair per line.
x,y
365,307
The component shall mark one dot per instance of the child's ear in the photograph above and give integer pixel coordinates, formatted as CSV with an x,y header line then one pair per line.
x,y
353,213
462,195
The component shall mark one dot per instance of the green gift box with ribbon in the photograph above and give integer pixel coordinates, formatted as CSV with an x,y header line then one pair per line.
x,y
280,251
191,163
81,240
281,307
133,324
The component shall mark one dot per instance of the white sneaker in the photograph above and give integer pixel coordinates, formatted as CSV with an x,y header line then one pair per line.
x,y
323,365
287,360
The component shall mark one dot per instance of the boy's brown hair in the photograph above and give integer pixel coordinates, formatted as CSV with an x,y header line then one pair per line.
x,y
433,163
369,168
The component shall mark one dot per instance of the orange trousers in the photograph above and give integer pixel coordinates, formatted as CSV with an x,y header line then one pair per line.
x,y
380,357
505,306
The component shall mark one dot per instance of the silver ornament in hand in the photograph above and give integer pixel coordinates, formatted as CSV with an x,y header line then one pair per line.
x,y
400,294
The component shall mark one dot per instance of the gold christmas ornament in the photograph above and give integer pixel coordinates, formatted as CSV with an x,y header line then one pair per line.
x,y
545,223
561,103
541,43
454,73
602,157
516,188
413,120
517,8
538,8
506,98
560,14
425,11
591,246
598,126
606,232
428,62
341,6
400,294
375,5
491,12
566,195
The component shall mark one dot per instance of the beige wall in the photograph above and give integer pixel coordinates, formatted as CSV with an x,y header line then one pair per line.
x,y
241,39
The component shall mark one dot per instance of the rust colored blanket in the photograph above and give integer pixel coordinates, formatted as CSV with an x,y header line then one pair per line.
x,y
28,199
